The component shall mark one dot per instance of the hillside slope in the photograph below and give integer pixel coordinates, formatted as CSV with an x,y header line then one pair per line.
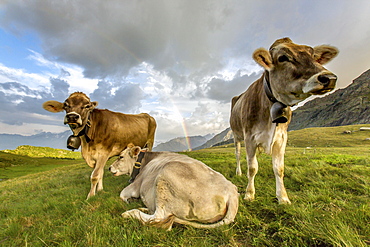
x,y
347,106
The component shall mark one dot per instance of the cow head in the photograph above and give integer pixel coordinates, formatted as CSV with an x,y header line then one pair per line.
x,y
77,106
295,71
124,164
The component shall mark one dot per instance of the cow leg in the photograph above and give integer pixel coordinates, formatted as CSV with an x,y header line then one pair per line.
x,y
151,134
237,156
131,191
97,177
252,170
278,150
160,218
100,182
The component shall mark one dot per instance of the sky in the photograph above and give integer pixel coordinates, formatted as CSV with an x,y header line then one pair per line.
x,y
180,61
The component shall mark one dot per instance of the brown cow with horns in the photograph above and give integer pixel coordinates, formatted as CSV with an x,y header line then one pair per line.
x,y
102,133
260,116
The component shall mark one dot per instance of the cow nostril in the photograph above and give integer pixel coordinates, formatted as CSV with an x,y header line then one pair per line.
x,y
324,79
72,117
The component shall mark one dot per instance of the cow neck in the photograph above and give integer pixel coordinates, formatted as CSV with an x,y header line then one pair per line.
x,y
85,130
278,111
137,166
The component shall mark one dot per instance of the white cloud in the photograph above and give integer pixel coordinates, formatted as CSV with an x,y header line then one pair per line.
x,y
19,75
31,129
72,73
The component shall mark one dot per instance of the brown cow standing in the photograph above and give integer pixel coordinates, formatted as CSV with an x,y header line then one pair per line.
x,y
260,116
103,133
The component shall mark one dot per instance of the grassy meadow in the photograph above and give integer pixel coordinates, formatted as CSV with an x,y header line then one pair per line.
x,y
327,176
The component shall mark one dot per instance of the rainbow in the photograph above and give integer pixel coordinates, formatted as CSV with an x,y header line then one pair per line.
x,y
183,124
187,139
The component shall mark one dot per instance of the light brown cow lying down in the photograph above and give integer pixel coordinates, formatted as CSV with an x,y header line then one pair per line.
x,y
176,189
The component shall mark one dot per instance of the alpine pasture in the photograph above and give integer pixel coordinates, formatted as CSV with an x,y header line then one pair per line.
x,y
327,175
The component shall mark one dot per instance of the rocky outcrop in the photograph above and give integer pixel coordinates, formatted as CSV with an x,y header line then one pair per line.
x,y
350,105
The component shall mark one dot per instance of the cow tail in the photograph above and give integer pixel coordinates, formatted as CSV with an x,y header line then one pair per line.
x,y
232,209
166,223
151,133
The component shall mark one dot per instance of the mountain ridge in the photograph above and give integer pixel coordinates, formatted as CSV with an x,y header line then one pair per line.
x,y
182,143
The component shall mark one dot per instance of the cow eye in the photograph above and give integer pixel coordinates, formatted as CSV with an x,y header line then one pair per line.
x,y
66,106
283,58
120,157
87,106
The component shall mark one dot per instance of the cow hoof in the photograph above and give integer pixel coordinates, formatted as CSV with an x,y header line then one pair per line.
x,y
130,214
126,215
144,210
284,201
248,198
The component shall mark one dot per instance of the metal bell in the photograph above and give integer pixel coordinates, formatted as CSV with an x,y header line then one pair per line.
x,y
73,142
279,113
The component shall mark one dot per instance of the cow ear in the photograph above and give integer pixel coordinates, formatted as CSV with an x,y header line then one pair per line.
x,y
135,151
324,53
94,103
263,58
130,145
53,106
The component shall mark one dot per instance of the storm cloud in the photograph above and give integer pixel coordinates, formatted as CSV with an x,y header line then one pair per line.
x,y
181,61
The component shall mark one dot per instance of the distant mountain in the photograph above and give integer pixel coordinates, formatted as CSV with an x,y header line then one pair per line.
x,y
222,138
43,139
181,143
347,106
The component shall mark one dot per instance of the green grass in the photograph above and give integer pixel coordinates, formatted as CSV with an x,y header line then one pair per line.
x,y
330,137
16,163
329,188
32,151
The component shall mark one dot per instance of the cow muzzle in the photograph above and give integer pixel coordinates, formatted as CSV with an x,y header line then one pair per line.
x,y
114,171
320,83
73,119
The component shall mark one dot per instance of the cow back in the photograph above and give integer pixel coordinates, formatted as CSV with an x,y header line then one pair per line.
x,y
113,131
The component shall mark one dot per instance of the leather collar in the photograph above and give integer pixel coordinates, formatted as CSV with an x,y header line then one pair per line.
x,y
278,111
267,87
85,130
137,166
